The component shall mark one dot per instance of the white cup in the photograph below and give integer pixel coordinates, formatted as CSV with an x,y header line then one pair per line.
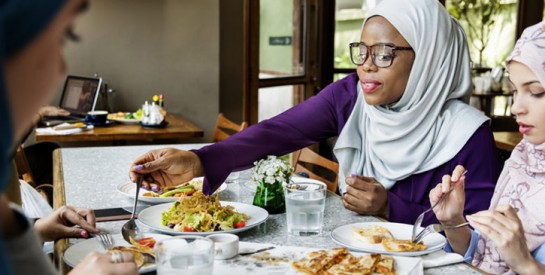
x,y
185,255
479,85
225,245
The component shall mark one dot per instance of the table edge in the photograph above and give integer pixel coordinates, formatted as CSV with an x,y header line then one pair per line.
x,y
59,200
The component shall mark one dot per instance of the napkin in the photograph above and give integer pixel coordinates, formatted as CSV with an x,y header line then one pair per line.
x,y
440,258
52,131
34,205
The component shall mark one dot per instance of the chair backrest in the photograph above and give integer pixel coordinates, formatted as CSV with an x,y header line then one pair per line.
x,y
307,156
25,173
225,128
23,168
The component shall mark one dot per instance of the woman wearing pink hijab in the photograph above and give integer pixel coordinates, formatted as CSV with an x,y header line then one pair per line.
x,y
509,237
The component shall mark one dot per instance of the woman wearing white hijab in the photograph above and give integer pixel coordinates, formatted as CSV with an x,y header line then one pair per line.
x,y
402,121
510,236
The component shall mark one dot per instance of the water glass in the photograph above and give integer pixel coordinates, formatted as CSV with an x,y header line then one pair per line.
x,y
305,206
185,255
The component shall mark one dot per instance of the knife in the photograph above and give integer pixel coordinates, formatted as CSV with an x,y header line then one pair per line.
x,y
256,251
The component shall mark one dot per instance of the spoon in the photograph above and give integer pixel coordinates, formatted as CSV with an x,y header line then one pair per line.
x,y
130,229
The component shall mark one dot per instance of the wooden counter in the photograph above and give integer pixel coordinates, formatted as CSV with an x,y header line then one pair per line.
x,y
507,140
177,128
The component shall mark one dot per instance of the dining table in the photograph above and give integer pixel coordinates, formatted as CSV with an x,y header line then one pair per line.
x,y
176,127
89,176
507,140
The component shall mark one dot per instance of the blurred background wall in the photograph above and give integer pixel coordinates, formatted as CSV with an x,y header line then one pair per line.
x,y
147,47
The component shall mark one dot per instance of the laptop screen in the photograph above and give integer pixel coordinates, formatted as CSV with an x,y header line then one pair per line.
x,y
80,94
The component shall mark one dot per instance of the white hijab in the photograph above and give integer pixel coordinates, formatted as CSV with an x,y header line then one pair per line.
x,y
432,121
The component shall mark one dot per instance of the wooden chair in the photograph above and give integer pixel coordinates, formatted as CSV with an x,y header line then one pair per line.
x,y
225,128
305,157
25,173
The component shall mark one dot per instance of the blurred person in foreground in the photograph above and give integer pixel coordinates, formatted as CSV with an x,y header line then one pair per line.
x,y
509,237
32,34
402,121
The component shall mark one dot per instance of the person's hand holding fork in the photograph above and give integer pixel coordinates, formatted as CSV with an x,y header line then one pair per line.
x,y
450,211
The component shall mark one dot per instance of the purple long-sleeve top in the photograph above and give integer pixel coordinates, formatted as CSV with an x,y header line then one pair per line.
x,y
323,116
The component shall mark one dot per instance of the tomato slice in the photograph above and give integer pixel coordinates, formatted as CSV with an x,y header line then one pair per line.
x,y
149,242
240,224
189,229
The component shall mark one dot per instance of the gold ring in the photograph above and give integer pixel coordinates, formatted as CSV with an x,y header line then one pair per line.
x,y
116,257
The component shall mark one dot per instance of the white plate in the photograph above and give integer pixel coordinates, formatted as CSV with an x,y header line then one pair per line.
x,y
286,254
402,265
126,120
250,185
129,189
151,217
75,253
114,117
343,236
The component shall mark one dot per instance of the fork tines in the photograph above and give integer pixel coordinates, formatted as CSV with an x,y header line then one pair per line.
x,y
106,240
421,235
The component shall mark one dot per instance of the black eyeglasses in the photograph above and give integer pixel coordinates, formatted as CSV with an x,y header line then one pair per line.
x,y
382,54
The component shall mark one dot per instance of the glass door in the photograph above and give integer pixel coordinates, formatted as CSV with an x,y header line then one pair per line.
x,y
280,74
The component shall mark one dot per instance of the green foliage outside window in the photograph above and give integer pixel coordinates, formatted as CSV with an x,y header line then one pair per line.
x,y
486,22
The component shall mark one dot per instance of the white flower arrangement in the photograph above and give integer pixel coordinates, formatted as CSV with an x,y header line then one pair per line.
x,y
271,170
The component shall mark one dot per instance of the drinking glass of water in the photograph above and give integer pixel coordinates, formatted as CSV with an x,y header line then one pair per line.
x,y
186,255
305,206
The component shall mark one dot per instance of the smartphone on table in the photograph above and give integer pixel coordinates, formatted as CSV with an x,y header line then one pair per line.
x,y
116,213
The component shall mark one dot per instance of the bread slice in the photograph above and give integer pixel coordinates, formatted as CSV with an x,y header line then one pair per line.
x,y
402,245
320,261
351,265
371,234
385,266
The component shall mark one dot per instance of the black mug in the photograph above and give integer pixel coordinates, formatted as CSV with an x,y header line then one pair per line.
x,y
96,118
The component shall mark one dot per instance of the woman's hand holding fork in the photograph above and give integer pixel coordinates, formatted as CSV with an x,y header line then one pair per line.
x,y
450,211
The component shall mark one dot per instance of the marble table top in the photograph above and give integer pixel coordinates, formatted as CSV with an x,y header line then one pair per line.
x,y
91,175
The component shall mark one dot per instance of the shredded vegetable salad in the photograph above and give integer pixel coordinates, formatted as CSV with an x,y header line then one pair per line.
x,y
186,188
201,213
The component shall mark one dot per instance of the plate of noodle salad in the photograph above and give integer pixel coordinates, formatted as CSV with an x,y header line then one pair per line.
x,y
202,215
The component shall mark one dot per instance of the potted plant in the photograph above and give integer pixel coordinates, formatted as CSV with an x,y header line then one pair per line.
x,y
270,175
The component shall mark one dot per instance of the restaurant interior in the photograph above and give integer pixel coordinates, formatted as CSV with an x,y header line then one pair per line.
x,y
231,64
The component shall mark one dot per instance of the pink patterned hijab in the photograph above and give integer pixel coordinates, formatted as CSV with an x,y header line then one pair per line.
x,y
522,181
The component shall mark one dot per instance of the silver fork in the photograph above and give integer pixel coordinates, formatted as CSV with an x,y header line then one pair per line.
x,y
105,239
435,228
420,217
